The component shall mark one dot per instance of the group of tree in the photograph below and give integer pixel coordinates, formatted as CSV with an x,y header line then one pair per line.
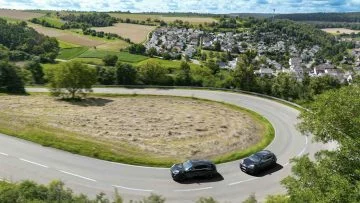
x,y
20,37
102,34
92,19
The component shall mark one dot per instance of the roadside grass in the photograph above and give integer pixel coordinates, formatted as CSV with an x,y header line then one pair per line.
x,y
70,53
36,131
122,56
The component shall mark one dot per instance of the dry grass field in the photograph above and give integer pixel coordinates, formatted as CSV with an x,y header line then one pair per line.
x,y
340,31
136,33
156,126
18,14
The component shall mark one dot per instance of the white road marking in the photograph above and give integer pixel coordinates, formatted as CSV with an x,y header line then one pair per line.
x,y
134,189
33,163
243,181
303,150
79,176
145,167
191,190
4,154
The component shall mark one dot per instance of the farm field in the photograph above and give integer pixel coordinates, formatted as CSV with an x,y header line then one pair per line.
x,y
19,15
157,130
122,56
136,33
340,31
144,17
71,37
56,22
70,53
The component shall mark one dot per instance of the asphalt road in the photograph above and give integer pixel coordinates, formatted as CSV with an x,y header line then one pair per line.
x,y
21,160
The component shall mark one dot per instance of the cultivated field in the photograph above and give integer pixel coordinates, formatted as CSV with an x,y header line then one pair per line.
x,y
20,15
136,33
67,36
80,40
340,30
134,128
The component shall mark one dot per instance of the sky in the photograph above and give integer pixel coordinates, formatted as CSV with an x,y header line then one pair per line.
x,y
198,6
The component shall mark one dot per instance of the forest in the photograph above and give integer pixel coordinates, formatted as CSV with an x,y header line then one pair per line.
x,y
325,17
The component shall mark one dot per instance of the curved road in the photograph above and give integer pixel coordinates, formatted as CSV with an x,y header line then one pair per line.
x,y
21,160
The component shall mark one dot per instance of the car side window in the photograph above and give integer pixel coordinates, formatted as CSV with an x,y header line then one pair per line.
x,y
267,157
201,167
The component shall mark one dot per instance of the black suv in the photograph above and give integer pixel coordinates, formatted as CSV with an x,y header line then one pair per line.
x,y
258,162
193,168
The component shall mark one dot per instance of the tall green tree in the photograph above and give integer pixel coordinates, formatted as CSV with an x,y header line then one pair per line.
x,y
152,73
126,74
36,71
184,75
70,79
110,60
335,175
10,81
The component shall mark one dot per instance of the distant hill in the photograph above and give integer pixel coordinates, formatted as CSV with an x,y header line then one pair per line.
x,y
322,17
255,15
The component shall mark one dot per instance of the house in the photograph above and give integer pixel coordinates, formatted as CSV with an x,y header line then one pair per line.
x,y
321,69
264,72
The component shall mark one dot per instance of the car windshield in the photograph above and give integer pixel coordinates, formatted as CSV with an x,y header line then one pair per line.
x,y
187,165
254,158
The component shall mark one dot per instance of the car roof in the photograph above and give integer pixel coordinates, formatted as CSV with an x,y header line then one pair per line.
x,y
195,162
263,153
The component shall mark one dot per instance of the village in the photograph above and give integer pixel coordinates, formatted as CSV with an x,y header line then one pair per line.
x,y
185,42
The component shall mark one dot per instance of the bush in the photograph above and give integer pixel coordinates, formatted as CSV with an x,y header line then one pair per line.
x,y
110,60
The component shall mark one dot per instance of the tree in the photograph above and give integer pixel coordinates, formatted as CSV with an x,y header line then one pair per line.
x,y
184,76
152,73
214,67
152,52
137,49
285,86
206,200
10,81
126,74
217,46
244,77
153,198
74,77
36,71
110,60
333,116
106,75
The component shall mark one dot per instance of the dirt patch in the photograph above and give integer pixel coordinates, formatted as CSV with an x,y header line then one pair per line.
x,y
172,127
340,31
136,33
20,15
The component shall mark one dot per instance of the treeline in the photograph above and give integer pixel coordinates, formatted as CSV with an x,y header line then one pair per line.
x,y
327,17
101,34
322,25
22,38
94,19
284,86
